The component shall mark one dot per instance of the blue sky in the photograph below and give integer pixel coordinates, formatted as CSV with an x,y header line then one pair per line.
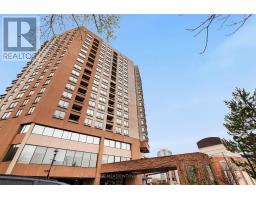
x,y
183,90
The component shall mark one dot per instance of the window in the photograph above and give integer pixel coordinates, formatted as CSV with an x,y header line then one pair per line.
x,y
72,79
102,99
118,145
48,156
63,104
126,123
126,132
11,152
70,87
86,160
101,107
112,143
118,113
47,82
42,90
106,143
96,82
89,139
93,160
75,73
37,99
74,136
78,159
92,103
18,113
6,115
95,89
25,102
80,60
67,95
13,104
25,128
104,93
98,125
126,116
38,130
59,114
68,160
117,158
100,115
82,138
77,67
48,131
19,95
119,121
59,159
26,154
118,130
123,146
31,110
88,121
104,159
66,135
93,96
110,159
58,133
90,112
38,155
96,140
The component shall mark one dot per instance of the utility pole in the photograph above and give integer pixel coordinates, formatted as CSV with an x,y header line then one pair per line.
x,y
53,160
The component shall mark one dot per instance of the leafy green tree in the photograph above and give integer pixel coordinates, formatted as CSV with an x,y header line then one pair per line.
x,y
241,125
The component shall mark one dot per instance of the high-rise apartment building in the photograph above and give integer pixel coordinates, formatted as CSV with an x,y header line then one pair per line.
x,y
79,99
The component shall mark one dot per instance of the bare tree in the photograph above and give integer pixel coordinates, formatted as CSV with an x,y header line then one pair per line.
x,y
57,23
222,21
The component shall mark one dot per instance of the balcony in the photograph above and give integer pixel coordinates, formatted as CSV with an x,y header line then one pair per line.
x,y
144,146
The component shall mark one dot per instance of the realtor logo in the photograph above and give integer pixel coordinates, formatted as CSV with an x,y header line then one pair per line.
x,y
20,34
20,37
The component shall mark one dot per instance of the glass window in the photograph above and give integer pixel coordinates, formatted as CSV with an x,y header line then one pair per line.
x,y
38,155
118,145
104,159
68,161
123,159
112,143
58,133
78,159
106,142
110,159
66,135
26,154
75,136
48,156
82,138
11,152
38,130
117,158
93,160
59,159
123,145
86,160
96,140
128,147
89,139
48,131
25,128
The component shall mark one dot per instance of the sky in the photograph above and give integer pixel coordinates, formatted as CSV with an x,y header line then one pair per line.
x,y
184,91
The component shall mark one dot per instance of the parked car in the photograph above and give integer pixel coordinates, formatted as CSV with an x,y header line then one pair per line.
x,y
23,180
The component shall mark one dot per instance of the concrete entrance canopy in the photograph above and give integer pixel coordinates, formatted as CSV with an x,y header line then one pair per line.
x,y
179,162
